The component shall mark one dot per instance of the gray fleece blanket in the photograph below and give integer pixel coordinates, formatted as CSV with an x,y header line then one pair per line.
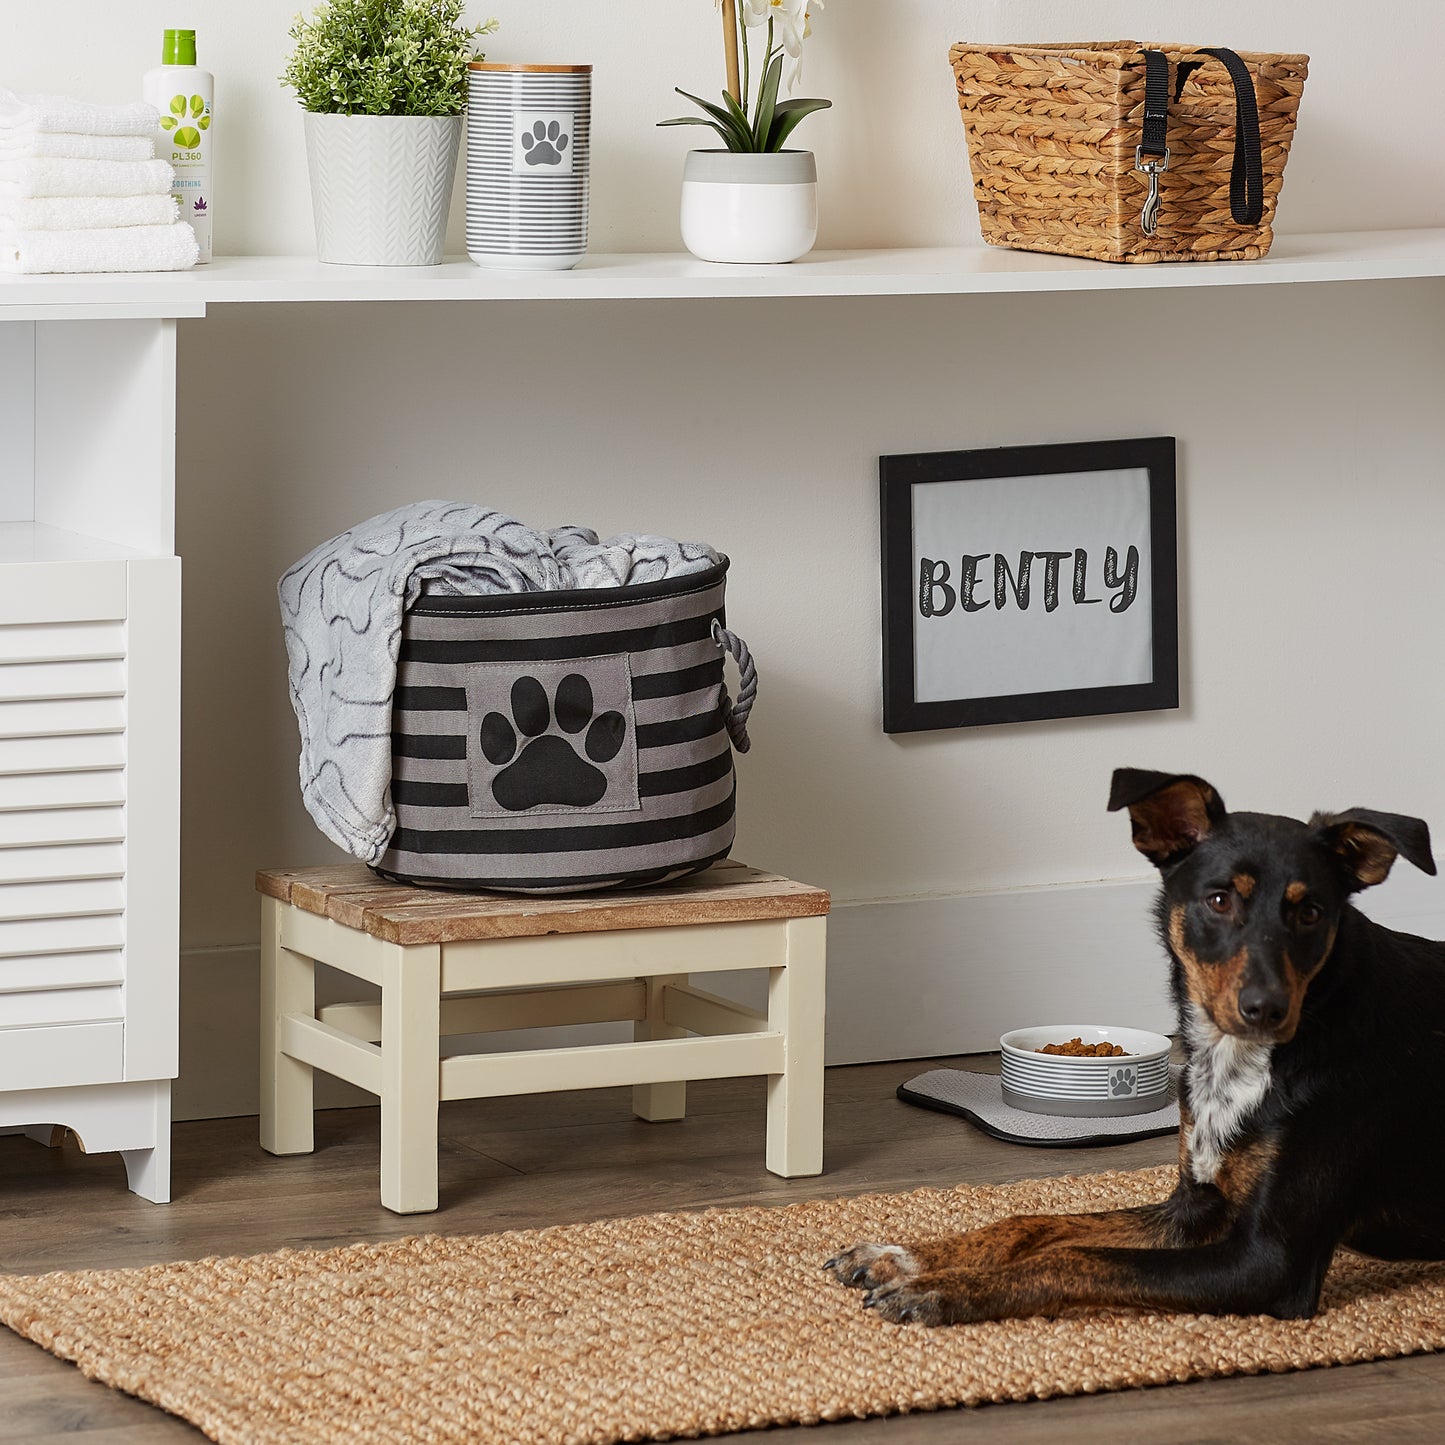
x,y
342,606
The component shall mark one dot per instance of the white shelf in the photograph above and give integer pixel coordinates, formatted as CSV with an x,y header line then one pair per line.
x,y
35,542
939,271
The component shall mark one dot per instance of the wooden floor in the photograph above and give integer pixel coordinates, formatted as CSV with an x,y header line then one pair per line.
x,y
511,1163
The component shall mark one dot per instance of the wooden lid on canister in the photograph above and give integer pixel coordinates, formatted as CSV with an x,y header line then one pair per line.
x,y
530,69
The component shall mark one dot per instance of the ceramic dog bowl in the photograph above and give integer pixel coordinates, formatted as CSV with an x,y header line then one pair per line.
x,y
1136,1082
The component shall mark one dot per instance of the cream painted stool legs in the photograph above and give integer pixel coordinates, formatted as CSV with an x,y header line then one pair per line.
x,y
408,1059
288,986
411,993
657,1102
795,1010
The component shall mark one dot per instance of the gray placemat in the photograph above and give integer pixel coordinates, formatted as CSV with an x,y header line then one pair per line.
x,y
979,1099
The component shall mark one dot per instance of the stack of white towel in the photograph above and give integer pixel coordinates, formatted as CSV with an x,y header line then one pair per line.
x,y
81,189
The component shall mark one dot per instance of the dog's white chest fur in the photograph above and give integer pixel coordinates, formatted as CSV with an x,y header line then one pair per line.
x,y
1228,1077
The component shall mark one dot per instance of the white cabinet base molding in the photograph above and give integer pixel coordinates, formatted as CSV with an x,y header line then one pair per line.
x,y
132,1120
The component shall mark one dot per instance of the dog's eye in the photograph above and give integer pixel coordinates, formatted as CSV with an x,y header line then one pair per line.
x,y
1309,914
1220,901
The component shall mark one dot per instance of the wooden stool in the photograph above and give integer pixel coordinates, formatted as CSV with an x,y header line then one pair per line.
x,y
459,963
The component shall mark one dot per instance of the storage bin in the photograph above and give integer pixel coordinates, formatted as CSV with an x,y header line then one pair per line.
x,y
559,741
1064,149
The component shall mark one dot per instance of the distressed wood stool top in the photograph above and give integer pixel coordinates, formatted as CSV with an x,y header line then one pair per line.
x,y
728,892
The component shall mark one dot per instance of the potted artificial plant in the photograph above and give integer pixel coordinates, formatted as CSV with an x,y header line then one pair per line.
x,y
383,84
753,200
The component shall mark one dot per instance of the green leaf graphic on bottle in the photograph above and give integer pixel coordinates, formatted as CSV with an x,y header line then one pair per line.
x,y
178,105
168,122
188,137
198,104
204,123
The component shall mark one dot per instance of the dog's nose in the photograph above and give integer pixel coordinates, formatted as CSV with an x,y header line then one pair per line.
x,y
1262,1007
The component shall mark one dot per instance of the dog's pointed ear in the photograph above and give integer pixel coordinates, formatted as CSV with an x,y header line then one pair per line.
x,y
1170,812
1367,842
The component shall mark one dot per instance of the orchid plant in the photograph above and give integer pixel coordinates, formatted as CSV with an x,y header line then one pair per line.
x,y
758,123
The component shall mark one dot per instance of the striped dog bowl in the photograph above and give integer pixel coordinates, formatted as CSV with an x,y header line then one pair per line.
x,y
528,147
1135,1082
556,741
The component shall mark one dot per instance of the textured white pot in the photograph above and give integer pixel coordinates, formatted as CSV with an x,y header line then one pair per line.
x,y
758,208
381,186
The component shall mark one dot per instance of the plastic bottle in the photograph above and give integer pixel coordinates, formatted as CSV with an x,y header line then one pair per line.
x,y
183,94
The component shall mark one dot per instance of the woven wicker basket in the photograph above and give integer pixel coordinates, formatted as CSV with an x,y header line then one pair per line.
x,y
1053,132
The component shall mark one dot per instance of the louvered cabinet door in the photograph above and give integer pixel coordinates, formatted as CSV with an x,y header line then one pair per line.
x,y
89,674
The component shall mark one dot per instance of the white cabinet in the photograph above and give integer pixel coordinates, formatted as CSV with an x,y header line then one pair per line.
x,y
89,734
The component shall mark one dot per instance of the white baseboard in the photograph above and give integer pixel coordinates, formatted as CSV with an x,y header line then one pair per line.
x,y
915,978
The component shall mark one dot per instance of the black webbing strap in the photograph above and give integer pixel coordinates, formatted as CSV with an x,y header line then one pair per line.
x,y
1156,104
1246,178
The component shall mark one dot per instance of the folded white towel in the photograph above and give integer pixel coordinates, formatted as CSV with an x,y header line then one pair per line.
x,y
27,143
114,248
54,176
84,213
78,117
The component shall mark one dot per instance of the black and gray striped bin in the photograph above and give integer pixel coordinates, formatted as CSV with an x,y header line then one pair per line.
x,y
555,741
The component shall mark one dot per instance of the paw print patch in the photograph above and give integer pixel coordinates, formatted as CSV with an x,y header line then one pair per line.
x,y
543,143
551,737
1123,1082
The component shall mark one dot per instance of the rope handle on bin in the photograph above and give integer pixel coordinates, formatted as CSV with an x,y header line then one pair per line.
x,y
735,714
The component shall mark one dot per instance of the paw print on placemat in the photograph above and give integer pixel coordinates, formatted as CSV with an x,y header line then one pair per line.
x,y
544,143
1123,1082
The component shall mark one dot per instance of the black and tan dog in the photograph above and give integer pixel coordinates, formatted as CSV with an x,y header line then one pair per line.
x,y
1313,1108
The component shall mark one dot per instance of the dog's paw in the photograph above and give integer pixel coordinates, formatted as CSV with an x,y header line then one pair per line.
x,y
908,1303
867,1266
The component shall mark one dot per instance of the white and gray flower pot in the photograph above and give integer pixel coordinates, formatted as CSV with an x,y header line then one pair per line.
x,y
381,186
749,207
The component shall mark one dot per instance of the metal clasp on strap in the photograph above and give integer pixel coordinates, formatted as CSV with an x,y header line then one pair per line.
x,y
1153,167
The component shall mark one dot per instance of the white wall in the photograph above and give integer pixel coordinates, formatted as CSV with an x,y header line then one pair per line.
x,y
1310,444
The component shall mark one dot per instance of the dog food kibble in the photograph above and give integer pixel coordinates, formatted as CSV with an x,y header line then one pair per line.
x,y
1077,1049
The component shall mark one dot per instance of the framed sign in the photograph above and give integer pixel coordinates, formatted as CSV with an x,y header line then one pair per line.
x,y
1029,582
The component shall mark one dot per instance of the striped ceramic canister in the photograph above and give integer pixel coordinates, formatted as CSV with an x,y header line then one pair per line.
x,y
528,147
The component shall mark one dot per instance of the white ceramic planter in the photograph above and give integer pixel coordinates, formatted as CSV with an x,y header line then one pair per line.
x,y
381,186
749,208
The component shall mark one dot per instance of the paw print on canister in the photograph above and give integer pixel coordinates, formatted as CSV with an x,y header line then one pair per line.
x,y
1123,1082
541,767
544,143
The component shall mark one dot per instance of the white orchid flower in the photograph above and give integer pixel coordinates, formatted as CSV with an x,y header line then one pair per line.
x,y
790,16
790,19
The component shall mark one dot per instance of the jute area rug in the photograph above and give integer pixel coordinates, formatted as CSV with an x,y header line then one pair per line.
x,y
638,1329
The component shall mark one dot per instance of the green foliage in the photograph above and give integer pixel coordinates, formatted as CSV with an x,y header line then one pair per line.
x,y
384,57
772,121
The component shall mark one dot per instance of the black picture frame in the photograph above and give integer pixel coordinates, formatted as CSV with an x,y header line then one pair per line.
x,y
900,476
